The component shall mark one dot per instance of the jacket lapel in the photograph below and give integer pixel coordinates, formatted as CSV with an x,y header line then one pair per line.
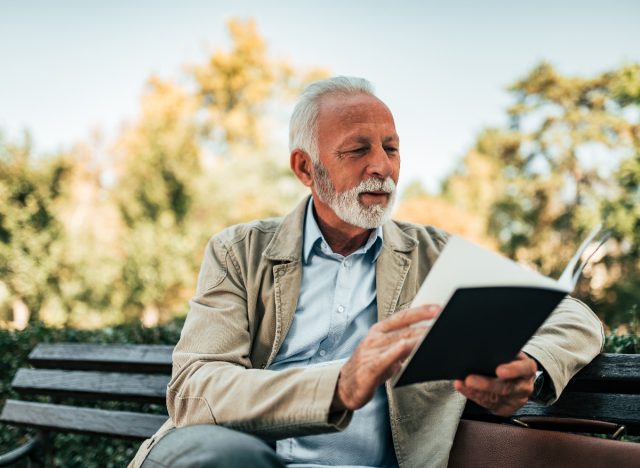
x,y
286,288
392,267
285,253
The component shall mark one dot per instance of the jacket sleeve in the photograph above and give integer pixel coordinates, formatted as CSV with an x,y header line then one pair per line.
x,y
570,338
213,381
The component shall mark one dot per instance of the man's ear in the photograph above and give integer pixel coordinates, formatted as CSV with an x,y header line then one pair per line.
x,y
302,166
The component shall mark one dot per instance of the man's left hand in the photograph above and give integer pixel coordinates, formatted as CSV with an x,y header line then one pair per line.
x,y
507,392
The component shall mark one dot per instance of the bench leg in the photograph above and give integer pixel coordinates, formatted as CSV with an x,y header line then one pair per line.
x,y
34,450
42,456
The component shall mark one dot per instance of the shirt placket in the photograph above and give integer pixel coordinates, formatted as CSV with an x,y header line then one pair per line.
x,y
341,308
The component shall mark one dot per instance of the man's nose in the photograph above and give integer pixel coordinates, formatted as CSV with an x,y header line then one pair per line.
x,y
379,164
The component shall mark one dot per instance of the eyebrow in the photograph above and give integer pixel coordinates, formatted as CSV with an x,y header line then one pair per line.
x,y
391,138
363,140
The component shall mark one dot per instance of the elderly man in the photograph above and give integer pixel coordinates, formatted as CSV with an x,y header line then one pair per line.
x,y
298,322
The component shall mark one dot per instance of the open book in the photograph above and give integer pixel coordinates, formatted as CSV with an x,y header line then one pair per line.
x,y
491,306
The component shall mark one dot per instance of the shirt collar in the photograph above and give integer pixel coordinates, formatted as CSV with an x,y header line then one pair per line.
x,y
313,235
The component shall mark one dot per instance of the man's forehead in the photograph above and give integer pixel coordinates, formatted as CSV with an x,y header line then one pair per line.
x,y
354,108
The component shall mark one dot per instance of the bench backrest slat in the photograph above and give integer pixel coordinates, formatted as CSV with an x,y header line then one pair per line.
x,y
150,388
610,373
123,424
117,358
619,373
616,408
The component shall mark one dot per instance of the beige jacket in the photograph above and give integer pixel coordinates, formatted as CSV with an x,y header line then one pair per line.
x,y
245,301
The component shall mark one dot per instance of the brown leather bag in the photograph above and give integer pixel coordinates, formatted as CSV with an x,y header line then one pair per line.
x,y
484,444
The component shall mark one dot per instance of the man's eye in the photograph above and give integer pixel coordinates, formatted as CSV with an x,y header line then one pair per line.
x,y
391,149
361,150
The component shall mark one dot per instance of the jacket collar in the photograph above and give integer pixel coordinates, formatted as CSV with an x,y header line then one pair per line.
x,y
396,239
286,244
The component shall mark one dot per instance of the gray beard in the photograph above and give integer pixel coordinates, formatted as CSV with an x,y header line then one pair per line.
x,y
346,205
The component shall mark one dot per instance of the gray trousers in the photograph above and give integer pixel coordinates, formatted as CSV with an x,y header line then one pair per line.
x,y
210,446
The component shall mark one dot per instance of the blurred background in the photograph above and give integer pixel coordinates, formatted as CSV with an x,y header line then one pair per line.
x,y
130,132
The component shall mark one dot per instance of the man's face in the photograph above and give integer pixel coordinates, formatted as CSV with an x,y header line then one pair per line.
x,y
359,159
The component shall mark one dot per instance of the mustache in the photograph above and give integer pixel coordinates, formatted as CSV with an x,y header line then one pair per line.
x,y
375,185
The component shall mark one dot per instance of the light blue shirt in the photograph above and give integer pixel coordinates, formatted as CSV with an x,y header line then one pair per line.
x,y
336,307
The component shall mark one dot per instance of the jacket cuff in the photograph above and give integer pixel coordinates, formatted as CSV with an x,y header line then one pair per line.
x,y
544,393
552,383
325,391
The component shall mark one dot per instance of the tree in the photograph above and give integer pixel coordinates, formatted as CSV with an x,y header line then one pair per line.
x,y
566,161
198,159
90,240
236,90
418,206
31,236
623,209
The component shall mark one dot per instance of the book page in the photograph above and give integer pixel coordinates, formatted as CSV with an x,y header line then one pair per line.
x,y
572,272
464,264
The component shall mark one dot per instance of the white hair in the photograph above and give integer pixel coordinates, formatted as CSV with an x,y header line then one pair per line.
x,y
303,126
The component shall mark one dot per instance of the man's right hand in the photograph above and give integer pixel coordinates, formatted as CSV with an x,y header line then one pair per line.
x,y
379,355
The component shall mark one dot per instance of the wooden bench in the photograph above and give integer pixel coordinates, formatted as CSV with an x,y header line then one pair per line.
x,y
606,390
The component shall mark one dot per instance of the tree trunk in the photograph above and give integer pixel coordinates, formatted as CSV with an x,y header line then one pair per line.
x,y
150,316
20,314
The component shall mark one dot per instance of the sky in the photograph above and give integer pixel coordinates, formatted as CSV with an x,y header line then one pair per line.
x,y
68,67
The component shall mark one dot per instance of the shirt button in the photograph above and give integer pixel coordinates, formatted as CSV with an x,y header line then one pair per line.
x,y
347,263
322,352
340,309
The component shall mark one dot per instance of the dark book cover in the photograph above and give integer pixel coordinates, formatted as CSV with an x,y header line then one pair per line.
x,y
479,329
491,307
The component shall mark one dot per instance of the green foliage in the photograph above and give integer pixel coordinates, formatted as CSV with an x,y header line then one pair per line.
x,y
73,450
625,339
198,154
31,236
569,158
104,234
413,190
234,90
158,157
622,344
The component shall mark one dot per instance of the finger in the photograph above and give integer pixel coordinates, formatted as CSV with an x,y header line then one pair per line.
x,y
408,317
522,367
471,394
503,406
523,388
516,388
391,359
480,383
490,385
392,337
459,385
